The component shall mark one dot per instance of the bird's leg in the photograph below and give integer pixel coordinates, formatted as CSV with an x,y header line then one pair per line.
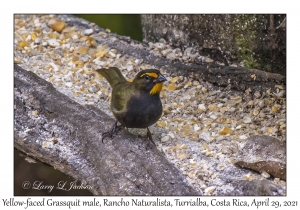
x,y
149,135
110,133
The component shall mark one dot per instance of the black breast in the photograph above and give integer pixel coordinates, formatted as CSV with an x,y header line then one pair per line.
x,y
142,111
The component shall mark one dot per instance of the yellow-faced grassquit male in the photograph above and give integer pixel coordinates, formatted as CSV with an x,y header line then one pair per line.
x,y
134,104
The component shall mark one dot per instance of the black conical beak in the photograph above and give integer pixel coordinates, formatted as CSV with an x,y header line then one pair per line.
x,y
160,78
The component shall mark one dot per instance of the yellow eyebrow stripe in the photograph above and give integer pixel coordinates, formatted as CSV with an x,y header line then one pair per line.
x,y
151,74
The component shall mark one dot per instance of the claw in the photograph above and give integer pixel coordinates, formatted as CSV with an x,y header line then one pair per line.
x,y
110,133
149,135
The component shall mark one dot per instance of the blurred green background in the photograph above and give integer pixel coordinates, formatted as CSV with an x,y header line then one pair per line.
x,y
125,24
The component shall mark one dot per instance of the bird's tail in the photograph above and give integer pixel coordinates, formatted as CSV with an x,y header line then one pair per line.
x,y
113,75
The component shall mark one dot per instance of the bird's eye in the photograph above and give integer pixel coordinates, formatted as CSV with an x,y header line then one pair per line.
x,y
147,77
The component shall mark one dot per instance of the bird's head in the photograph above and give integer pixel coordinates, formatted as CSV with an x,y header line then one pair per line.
x,y
149,80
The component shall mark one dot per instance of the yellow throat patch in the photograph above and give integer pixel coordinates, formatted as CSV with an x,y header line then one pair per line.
x,y
156,89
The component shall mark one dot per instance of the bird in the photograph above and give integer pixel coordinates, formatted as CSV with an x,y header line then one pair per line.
x,y
134,104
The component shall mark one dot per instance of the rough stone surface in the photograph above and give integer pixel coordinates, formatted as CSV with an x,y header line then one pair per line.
x,y
54,129
255,188
252,40
264,153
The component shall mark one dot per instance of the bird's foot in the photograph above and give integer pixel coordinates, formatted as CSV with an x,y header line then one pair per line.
x,y
111,131
149,136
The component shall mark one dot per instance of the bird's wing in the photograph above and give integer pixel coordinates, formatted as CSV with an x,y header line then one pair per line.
x,y
120,96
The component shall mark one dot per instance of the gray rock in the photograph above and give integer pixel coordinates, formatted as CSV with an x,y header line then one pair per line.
x,y
264,153
255,188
